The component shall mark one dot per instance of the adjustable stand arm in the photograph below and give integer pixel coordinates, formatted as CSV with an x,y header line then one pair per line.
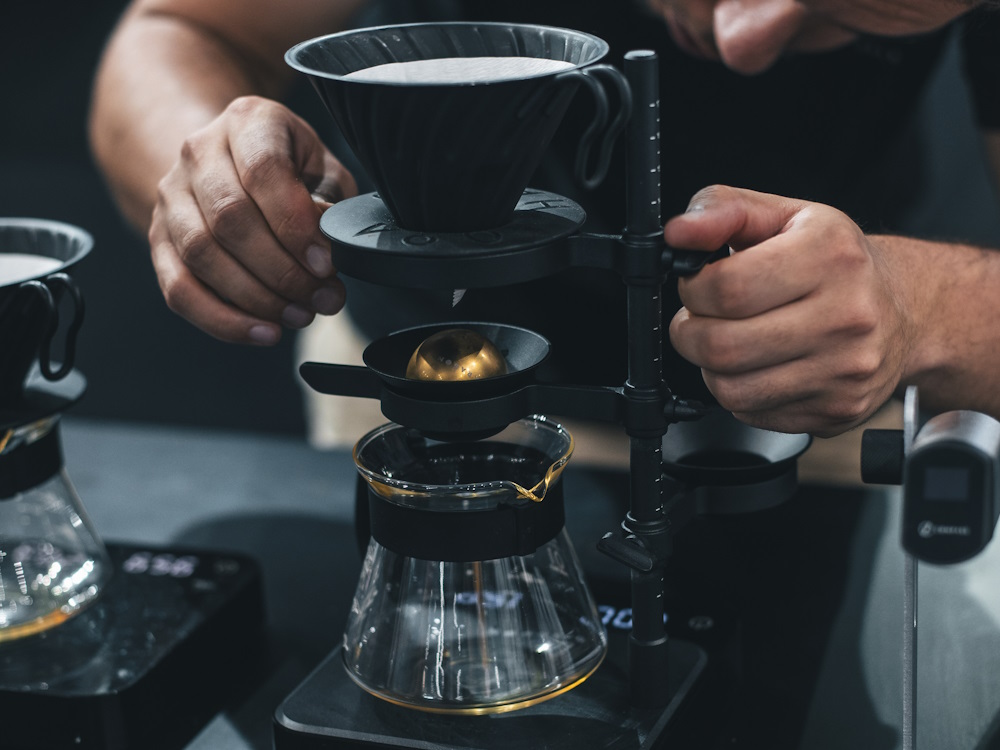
x,y
883,458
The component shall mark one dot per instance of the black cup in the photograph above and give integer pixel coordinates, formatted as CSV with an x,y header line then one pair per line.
x,y
29,307
456,157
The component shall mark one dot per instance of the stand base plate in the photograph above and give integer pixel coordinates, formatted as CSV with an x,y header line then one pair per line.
x,y
328,710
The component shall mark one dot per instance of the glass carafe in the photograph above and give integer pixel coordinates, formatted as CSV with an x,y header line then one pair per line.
x,y
471,598
52,562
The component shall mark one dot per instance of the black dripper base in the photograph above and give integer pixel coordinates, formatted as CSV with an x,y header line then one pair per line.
x,y
175,635
328,710
526,247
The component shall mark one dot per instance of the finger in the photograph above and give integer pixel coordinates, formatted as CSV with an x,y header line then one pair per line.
x,y
223,273
721,215
238,228
280,191
321,203
839,340
760,399
804,395
193,301
795,422
728,346
773,273
768,389
333,184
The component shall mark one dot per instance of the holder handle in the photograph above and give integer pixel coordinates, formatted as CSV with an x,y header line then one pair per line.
x,y
591,77
690,262
341,380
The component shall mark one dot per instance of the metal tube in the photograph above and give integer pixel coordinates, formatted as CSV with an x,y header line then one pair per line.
x,y
645,336
643,234
643,189
909,652
911,422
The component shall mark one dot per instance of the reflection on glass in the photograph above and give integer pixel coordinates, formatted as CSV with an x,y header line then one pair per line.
x,y
52,563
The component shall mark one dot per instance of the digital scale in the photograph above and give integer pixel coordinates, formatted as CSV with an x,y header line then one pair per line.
x,y
176,637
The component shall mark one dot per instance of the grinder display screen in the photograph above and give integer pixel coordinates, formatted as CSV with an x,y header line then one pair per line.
x,y
948,484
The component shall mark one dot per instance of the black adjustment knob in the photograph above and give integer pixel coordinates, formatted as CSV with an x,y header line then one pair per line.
x,y
628,551
882,457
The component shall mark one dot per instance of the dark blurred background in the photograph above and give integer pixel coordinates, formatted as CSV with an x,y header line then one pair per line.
x,y
143,362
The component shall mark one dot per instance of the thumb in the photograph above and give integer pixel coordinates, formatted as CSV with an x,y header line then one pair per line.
x,y
321,203
722,215
320,171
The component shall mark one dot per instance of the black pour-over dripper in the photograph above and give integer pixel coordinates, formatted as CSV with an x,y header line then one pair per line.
x,y
30,300
456,157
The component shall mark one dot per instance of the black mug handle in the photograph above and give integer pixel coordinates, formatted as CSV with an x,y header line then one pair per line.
x,y
48,302
65,283
591,76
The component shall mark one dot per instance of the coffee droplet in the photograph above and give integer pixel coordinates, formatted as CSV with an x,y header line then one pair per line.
x,y
456,354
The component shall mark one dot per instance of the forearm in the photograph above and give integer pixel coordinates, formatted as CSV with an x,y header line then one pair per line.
x,y
952,296
172,66
159,81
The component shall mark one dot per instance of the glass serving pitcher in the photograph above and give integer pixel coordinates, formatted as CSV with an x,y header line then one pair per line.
x,y
52,562
471,598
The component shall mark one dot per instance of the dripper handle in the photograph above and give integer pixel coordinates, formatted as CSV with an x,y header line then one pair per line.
x,y
591,76
69,346
341,380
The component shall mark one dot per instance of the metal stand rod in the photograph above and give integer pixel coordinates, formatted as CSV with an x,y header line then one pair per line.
x,y
645,390
911,422
643,143
909,653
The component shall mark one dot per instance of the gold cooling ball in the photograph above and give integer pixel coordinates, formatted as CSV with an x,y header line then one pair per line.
x,y
456,354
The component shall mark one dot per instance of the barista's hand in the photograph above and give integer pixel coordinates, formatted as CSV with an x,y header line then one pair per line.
x,y
802,328
235,236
